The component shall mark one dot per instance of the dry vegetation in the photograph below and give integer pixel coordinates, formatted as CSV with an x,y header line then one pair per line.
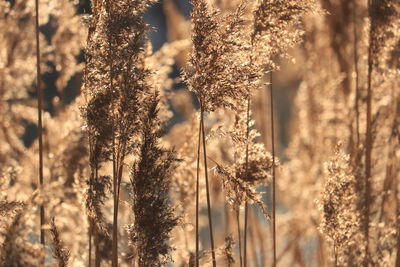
x,y
96,169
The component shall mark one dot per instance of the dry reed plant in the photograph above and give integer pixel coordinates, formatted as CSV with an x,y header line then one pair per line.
x,y
154,217
261,133
59,252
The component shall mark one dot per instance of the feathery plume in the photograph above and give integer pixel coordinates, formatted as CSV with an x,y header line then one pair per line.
x,y
150,181
60,253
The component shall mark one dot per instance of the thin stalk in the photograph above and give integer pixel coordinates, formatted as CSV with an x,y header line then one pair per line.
x,y
239,237
115,214
40,124
355,41
197,195
246,216
368,145
91,221
95,230
115,209
397,197
90,137
273,172
247,173
114,167
253,240
207,186
119,171
118,164
97,257
114,159
396,193
90,243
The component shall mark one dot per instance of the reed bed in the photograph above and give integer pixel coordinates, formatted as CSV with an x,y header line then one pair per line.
x,y
261,133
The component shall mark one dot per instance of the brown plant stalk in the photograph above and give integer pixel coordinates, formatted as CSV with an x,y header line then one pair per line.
x,y
114,262
355,58
398,222
247,170
197,195
207,186
368,143
40,124
239,236
90,234
273,172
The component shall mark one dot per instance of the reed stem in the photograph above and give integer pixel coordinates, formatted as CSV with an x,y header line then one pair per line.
x,y
207,187
247,173
97,257
239,236
397,206
40,124
114,159
246,207
90,242
368,145
197,195
355,42
273,173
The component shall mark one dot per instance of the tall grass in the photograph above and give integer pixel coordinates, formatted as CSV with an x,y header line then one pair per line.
x,y
126,154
